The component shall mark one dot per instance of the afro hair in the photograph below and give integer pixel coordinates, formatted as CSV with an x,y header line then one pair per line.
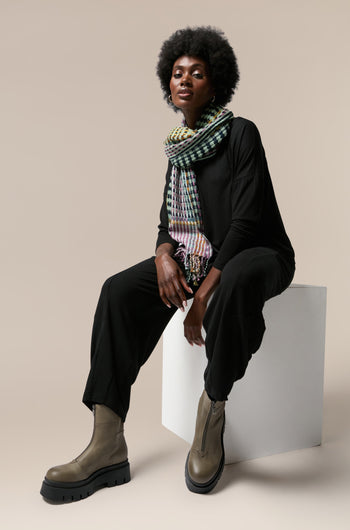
x,y
210,45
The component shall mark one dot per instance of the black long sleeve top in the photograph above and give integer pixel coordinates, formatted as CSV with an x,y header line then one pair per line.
x,y
238,203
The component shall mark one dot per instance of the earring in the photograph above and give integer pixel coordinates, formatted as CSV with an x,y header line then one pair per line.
x,y
170,98
212,99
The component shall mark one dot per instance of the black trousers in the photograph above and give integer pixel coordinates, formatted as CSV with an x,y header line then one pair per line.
x,y
131,317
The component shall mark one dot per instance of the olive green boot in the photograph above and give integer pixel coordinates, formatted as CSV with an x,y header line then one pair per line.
x,y
206,459
103,463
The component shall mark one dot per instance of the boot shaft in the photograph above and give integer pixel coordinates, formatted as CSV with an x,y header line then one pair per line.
x,y
107,437
209,423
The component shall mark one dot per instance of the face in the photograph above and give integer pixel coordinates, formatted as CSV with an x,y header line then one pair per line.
x,y
190,85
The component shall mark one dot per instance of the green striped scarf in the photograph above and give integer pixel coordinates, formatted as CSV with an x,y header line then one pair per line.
x,y
184,147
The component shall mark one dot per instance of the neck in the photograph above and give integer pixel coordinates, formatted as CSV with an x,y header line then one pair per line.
x,y
192,116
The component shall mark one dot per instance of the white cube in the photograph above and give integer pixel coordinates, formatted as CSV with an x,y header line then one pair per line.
x,y
277,406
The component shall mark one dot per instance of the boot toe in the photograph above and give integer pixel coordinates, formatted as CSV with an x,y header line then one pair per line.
x,y
200,469
64,473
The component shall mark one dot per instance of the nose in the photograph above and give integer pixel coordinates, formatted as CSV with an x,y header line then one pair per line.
x,y
185,79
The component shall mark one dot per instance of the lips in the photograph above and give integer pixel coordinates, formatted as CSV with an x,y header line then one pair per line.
x,y
185,92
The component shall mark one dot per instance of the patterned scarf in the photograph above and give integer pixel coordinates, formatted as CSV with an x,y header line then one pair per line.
x,y
184,147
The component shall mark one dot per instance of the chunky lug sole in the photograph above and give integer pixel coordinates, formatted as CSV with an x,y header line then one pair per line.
x,y
206,487
63,492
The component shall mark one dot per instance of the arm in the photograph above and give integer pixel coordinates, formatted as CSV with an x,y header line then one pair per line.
x,y
248,190
163,234
208,286
248,159
171,280
194,318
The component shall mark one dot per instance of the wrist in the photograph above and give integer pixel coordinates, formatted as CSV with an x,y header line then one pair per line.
x,y
208,286
165,249
162,256
201,298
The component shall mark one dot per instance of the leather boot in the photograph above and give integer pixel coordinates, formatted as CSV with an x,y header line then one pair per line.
x,y
206,459
103,463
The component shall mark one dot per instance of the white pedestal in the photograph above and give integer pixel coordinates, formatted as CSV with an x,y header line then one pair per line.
x,y
277,406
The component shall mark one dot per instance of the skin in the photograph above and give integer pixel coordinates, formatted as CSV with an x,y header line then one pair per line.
x,y
191,74
191,91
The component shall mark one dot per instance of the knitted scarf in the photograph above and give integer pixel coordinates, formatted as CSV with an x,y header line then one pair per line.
x,y
184,147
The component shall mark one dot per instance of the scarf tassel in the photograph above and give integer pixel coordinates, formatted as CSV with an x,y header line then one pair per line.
x,y
195,265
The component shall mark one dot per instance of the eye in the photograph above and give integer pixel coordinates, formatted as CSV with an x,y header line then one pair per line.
x,y
177,73
198,75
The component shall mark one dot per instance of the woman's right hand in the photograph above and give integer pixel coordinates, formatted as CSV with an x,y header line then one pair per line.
x,y
171,281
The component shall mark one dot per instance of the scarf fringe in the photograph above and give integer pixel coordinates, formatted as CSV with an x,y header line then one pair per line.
x,y
196,266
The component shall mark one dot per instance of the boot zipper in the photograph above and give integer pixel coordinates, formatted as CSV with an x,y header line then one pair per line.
x,y
211,410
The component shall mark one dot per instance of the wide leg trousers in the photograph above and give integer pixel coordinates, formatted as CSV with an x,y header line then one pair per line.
x,y
130,318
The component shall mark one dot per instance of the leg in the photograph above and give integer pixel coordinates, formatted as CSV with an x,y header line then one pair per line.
x,y
234,322
129,321
234,327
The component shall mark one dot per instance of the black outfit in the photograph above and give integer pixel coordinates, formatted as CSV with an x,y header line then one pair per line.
x,y
242,221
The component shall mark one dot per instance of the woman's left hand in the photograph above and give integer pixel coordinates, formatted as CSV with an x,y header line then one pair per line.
x,y
194,321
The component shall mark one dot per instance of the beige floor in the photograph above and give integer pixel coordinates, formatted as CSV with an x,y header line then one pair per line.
x,y
296,490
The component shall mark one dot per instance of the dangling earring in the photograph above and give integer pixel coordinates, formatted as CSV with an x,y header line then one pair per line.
x,y
170,98
212,99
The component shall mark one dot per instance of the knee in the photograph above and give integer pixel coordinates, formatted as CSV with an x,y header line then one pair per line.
x,y
242,284
247,268
236,278
116,287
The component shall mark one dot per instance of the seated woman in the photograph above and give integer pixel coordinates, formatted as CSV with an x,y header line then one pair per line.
x,y
220,234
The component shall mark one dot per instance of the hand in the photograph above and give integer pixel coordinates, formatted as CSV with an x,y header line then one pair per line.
x,y
171,282
194,321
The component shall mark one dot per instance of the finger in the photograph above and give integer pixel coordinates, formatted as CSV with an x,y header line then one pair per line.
x,y
163,298
191,334
196,337
170,295
187,336
197,340
175,301
179,290
178,296
200,339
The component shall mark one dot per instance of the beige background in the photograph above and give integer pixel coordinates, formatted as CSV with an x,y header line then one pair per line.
x,y
82,174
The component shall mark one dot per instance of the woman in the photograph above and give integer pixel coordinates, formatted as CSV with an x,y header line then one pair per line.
x,y
220,236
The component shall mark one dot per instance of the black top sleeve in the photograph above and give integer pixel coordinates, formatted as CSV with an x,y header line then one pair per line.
x,y
163,234
247,194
